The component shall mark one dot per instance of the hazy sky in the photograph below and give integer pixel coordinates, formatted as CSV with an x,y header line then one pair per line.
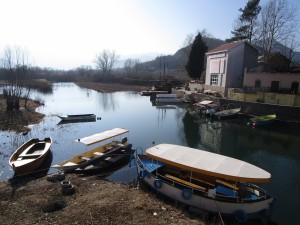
x,y
65,34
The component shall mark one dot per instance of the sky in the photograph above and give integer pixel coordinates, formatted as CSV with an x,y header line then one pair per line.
x,y
66,34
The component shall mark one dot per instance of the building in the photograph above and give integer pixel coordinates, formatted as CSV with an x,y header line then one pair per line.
x,y
226,65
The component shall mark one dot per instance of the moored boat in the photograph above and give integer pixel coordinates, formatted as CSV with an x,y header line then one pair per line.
x,y
78,117
209,181
30,155
103,152
262,120
168,98
227,114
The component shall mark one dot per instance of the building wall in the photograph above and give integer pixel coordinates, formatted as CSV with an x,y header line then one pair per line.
x,y
216,65
230,66
235,67
285,79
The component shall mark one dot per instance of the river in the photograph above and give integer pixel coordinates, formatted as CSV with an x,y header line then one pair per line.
x,y
274,148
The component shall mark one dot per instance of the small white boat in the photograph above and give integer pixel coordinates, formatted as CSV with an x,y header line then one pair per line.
x,y
227,114
208,181
78,117
168,98
30,155
98,153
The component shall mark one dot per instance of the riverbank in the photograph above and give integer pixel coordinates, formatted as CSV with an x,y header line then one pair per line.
x,y
106,87
95,201
18,121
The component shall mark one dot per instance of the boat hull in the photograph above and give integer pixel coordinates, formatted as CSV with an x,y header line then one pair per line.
x,y
23,163
80,117
262,120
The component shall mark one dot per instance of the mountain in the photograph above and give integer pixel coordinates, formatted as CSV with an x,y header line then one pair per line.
x,y
179,59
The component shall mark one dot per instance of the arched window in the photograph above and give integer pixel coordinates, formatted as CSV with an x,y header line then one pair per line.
x,y
258,83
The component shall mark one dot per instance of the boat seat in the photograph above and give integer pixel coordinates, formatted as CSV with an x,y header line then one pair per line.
x,y
227,184
85,158
70,164
185,182
98,153
203,181
114,159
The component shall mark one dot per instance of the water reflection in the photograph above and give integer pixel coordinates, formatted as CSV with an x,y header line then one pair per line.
x,y
274,148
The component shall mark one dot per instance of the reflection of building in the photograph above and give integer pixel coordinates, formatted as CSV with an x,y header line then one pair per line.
x,y
211,135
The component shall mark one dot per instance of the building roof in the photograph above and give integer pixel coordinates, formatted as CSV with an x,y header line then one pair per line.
x,y
226,47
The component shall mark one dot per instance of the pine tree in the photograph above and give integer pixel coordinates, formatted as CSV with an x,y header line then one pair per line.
x,y
196,58
245,24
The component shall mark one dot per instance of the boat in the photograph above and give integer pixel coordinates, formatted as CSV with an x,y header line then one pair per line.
x,y
262,120
167,98
227,113
30,155
78,117
103,152
111,161
205,180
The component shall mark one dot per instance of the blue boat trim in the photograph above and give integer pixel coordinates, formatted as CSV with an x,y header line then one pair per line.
x,y
151,166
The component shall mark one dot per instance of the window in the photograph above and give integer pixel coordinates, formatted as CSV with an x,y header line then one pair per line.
x,y
258,83
215,66
214,80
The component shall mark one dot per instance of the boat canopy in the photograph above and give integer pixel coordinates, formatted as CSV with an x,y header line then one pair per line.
x,y
96,138
208,163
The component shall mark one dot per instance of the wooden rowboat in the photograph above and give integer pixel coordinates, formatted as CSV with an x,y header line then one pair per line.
x,y
208,181
30,155
103,152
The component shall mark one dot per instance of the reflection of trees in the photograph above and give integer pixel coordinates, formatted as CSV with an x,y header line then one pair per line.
x,y
107,101
191,130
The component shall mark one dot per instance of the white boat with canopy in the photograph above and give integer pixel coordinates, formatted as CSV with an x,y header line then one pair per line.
x,y
206,180
103,152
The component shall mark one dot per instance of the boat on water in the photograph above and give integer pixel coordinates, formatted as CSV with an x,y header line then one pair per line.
x,y
107,152
30,155
208,181
78,117
261,120
167,98
227,113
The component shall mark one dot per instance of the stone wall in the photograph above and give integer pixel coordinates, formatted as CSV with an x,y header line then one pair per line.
x,y
284,113
269,98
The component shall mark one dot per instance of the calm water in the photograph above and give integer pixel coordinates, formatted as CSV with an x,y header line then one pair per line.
x,y
275,148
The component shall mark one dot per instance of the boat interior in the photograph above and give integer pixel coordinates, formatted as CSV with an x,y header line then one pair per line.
x,y
106,152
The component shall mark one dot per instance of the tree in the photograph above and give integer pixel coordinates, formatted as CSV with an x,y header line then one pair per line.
x,y
105,61
244,26
196,58
15,62
132,66
277,24
187,45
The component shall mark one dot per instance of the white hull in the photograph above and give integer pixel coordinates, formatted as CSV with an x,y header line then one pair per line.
x,y
209,204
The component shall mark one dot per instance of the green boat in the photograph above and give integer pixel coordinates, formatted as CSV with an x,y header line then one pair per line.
x,y
262,120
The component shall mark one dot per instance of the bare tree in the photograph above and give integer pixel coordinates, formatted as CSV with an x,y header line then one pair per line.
x,y
277,23
105,61
132,66
15,62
